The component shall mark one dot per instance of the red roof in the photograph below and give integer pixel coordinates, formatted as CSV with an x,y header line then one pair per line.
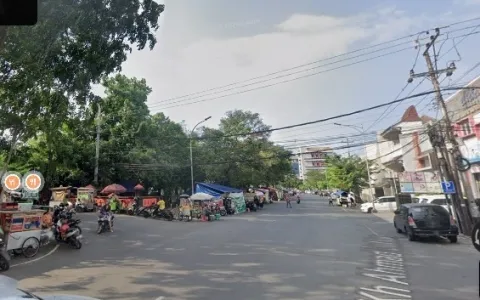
x,y
411,115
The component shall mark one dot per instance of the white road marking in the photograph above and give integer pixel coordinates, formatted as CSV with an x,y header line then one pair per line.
x,y
371,230
38,258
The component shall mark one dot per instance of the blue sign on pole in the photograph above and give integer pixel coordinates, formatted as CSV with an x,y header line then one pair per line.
x,y
448,187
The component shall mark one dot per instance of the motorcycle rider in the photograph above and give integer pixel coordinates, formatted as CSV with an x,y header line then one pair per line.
x,y
105,212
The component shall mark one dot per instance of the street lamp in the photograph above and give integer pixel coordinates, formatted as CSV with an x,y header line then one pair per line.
x,y
191,150
361,130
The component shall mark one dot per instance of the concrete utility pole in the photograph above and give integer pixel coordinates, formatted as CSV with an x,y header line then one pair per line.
x,y
191,152
97,144
451,170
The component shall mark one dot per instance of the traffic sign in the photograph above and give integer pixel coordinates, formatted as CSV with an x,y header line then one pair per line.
x,y
476,236
448,187
12,181
33,182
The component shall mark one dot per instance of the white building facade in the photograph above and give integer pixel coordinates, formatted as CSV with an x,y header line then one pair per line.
x,y
307,159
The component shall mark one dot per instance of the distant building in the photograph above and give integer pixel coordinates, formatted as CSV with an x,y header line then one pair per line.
x,y
309,158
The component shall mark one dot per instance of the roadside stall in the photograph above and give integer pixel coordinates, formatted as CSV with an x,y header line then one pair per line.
x,y
217,191
59,195
85,199
23,229
198,204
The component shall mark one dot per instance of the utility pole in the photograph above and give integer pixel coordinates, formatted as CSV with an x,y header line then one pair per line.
x,y
191,152
97,144
451,170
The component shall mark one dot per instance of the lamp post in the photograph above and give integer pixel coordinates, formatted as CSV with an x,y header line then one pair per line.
x,y
361,130
191,150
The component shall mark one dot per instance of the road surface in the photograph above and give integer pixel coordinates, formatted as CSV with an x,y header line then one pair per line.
x,y
311,251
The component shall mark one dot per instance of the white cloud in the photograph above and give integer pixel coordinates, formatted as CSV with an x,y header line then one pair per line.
x,y
199,62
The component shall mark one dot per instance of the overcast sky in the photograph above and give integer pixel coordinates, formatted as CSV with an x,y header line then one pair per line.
x,y
210,43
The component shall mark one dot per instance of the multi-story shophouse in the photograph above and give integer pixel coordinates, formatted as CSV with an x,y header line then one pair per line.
x,y
464,111
404,146
305,159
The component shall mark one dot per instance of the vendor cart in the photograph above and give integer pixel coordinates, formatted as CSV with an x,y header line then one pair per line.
x,y
23,230
85,199
59,195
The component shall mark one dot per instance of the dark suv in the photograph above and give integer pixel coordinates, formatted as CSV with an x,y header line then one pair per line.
x,y
425,220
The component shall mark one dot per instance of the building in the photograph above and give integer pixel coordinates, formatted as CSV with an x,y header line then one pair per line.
x,y
306,159
464,112
402,147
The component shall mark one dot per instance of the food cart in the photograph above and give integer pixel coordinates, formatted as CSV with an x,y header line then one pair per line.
x,y
85,199
59,195
23,229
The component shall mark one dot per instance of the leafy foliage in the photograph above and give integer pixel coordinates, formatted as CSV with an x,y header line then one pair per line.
x,y
346,173
49,111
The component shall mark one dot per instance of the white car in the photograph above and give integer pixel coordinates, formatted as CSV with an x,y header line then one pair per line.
x,y
433,199
385,203
9,290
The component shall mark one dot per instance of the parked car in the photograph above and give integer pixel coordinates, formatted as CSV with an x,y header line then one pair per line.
x,y
433,199
425,220
385,203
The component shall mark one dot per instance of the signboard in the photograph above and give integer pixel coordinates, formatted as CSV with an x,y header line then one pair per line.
x,y
29,184
420,182
448,187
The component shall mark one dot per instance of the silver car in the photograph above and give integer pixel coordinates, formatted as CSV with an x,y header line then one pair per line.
x,y
9,290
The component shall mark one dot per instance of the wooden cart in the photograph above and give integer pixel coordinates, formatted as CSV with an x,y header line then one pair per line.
x,y
59,195
85,200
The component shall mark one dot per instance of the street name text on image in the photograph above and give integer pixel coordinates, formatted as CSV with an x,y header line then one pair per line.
x,y
388,272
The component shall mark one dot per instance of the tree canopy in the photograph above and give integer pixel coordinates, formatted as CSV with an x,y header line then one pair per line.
x,y
49,112
345,173
152,149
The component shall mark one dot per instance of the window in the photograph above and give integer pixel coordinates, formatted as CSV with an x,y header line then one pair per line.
x,y
424,162
466,128
439,201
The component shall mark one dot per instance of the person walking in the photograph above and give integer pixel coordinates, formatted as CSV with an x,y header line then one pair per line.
x,y
289,203
351,197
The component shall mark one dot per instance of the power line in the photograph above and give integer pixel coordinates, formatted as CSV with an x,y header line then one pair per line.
x,y
182,102
337,116
319,61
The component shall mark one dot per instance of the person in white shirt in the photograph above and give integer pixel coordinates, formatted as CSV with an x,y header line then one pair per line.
x,y
351,199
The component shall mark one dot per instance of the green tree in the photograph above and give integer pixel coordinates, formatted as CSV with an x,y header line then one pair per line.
x,y
315,180
47,70
232,156
291,181
346,173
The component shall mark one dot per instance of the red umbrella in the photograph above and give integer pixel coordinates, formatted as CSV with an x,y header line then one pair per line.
x,y
139,187
114,188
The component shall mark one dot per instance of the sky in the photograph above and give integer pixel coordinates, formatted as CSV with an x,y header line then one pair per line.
x,y
212,43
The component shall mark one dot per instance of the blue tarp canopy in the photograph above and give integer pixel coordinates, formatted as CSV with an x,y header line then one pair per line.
x,y
215,190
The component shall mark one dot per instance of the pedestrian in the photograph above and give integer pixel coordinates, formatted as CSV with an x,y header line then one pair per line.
x,y
351,198
289,204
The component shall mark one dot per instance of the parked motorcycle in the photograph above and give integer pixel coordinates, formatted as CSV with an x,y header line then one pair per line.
x,y
4,256
72,236
164,214
251,206
132,209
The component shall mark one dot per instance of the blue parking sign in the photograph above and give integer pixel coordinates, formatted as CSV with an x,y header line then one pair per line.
x,y
448,187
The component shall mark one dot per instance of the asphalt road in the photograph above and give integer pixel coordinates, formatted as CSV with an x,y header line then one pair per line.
x,y
311,251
